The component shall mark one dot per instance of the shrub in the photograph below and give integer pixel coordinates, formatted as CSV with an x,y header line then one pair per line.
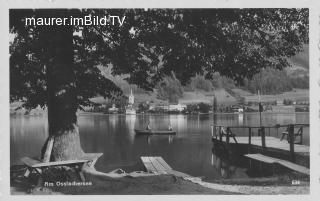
x,y
204,107
199,82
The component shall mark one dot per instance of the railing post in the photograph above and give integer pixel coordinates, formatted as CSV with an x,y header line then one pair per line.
x,y
228,132
212,128
249,148
220,134
291,141
301,135
263,137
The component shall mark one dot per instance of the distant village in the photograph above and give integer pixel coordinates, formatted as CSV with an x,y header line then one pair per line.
x,y
285,106
129,107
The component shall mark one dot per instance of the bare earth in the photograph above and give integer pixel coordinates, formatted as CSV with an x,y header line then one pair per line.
x,y
141,183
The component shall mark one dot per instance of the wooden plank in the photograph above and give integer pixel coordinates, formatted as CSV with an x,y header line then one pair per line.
x,y
157,165
163,163
288,164
162,166
35,163
60,163
147,164
47,154
155,169
260,157
295,167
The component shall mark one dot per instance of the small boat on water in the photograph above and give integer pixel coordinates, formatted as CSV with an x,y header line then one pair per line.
x,y
154,132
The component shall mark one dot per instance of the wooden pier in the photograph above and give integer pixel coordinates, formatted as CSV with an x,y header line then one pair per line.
x,y
270,142
290,149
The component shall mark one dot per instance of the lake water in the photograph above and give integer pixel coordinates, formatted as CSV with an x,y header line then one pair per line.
x,y
190,151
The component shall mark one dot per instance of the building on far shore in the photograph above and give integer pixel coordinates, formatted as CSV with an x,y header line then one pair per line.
x,y
177,108
113,109
168,108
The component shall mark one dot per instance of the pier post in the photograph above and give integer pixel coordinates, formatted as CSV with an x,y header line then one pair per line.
x,y
249,148
301,135
291,141
263,137
212,128
227,137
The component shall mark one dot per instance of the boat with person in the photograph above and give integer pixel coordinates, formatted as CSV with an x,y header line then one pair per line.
x,y
154,132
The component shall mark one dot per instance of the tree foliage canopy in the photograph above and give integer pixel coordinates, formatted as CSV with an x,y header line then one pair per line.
x,y
273,81
151,44
170,89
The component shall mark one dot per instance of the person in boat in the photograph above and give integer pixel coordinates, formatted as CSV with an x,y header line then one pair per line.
x,y
169,127
148,126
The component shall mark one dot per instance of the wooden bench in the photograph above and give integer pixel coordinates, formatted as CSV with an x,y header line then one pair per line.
x,y
296,134
38,166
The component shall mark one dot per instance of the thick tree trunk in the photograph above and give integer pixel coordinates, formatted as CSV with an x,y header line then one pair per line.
x,y
67,145
61,87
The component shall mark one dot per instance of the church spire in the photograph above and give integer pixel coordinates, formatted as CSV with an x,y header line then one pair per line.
x,y
131,98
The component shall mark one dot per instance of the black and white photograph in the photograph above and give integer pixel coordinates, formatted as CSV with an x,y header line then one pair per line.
x,y
159,101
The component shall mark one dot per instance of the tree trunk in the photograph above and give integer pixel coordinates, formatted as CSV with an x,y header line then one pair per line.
x,y
61,88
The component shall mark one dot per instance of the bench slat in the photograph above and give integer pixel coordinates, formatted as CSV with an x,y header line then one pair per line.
x,y
163,163
60,163
147,163
36,163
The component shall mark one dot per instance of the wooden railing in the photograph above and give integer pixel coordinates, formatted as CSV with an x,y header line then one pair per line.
x,y
218,132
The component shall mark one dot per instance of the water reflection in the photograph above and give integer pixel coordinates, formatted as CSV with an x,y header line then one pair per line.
x,y
113,120
240,119
228,163
189,151
130,124
155,138
178,122
170,138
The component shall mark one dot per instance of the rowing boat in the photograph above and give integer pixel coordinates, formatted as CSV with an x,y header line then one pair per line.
x,y
154,132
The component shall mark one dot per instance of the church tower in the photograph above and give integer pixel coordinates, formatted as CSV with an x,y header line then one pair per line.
x,y
131,98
